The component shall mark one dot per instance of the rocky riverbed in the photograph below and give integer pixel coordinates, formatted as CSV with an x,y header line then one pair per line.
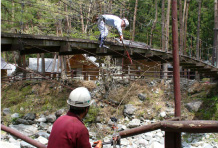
x,y
147,102
40,128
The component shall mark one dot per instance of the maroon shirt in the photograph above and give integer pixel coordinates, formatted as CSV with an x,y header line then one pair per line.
x,y
68,131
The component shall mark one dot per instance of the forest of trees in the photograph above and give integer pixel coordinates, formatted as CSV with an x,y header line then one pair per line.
x,y
150,21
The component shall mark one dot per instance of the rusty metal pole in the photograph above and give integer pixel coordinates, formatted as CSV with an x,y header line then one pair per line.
x,y
23,137
175,137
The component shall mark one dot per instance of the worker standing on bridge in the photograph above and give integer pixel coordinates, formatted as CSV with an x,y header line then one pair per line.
x,y
110,20
69,131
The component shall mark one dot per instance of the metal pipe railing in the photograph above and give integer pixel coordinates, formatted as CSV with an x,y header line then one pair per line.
x,y
196,126
23,137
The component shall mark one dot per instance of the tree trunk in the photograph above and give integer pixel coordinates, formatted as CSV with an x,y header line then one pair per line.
x,y
99,6
81,19
87,21
168,24
67,25
185,26
134,20
59,29
12,11
154,24
215,40
121,12
110,7
163,25
181,28
198,30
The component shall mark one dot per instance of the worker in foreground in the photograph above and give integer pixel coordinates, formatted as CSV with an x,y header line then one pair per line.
x,y
110,20
69,131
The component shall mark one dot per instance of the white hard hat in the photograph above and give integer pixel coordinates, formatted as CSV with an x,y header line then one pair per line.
x,y
126,22
80,97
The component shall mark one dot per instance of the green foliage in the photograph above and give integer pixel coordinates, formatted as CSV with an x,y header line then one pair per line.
x,y
209,110
21,99
50,17
92,114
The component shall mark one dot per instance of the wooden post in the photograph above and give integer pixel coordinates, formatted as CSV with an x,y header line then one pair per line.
x,y
24,66
38,56
53,66
43,64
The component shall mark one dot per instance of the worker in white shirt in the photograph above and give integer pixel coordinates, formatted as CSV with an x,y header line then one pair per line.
x,y
110,20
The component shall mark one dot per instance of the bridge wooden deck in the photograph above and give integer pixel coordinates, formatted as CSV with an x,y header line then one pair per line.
x,y
31,44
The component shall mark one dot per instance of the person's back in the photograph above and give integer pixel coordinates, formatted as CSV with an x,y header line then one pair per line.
x,y
69,132
112,20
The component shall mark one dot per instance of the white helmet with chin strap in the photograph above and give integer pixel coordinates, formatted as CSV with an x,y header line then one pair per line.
x,y
126,22
80,97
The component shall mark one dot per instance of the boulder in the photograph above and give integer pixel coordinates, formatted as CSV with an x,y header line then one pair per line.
x,y
42,140
142,142
5,144
59,113
30,116
193,106
42,134
51,118
163,114
41,119
15,115
24,144
129,110
6,111
142,96
134,123
22,121
27,130
156,144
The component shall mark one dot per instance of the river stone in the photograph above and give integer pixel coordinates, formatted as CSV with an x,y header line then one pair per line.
x,y
49,129
24,144
30,116
142,96
43,125
6,111
134,123
27,130
41,119
51,118
142,142
42,134
42,140
22,121
15,115
5,144
129,110
163,114
193,106
206,145
156,144
59,113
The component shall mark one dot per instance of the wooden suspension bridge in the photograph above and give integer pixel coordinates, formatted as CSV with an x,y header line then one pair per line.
x,y
32,44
